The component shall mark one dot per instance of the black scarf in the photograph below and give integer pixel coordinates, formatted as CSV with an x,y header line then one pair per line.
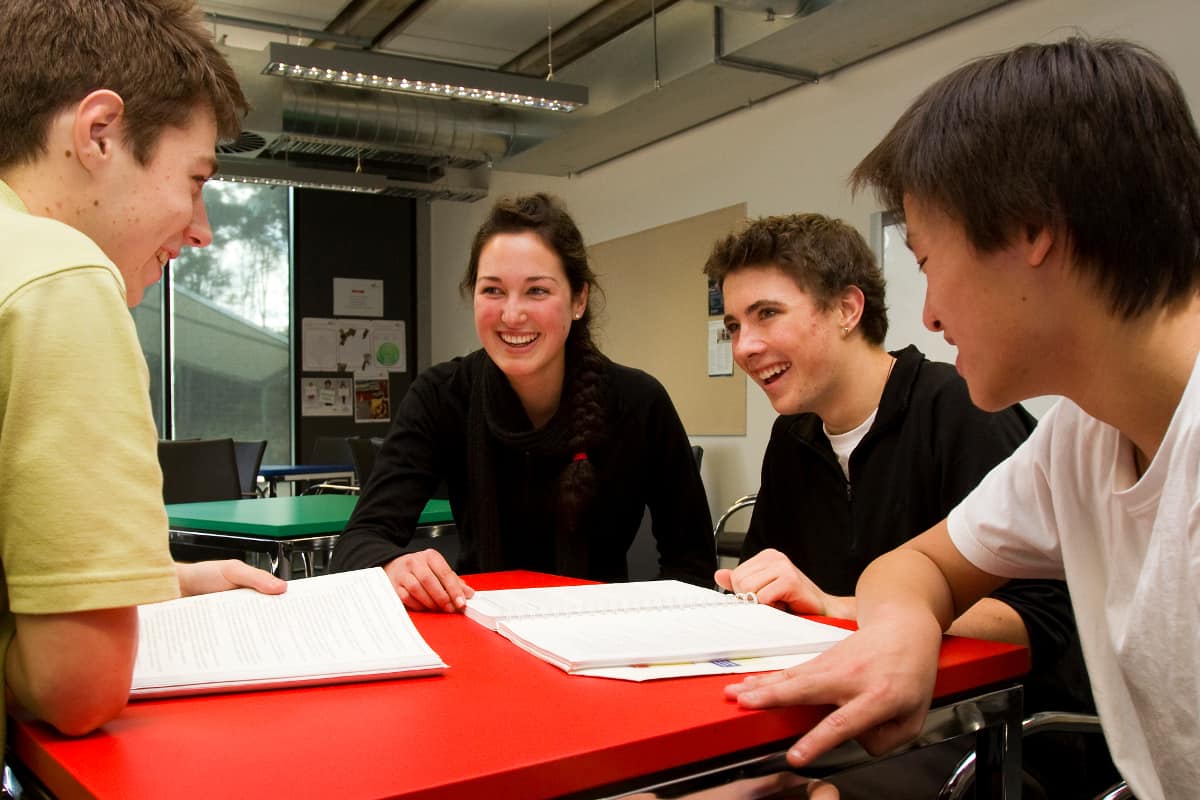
x,y
496,417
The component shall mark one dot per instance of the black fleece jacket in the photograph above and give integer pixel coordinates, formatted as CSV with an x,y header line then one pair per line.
x,y
645,461
928,447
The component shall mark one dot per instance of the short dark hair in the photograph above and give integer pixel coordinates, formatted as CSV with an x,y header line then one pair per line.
x,y
824,256
156,54
1093,137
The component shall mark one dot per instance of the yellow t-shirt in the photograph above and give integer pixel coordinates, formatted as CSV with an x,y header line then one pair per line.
x,y
82,524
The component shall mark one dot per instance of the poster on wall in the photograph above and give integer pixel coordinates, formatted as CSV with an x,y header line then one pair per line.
x,y
371,345
357,297
326,397
319,339
372,400
353,345
720,349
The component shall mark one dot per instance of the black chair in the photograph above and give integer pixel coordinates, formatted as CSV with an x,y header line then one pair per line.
x,y
194,471
729,545
364,450
197,470
961,781
249,457
331,450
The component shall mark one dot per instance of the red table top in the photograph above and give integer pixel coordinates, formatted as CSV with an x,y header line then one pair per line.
x,y
499,723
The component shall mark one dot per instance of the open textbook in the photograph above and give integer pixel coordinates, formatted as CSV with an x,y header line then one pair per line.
x,y
336,628
584,629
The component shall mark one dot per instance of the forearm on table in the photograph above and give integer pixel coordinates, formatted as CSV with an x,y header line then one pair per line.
x,y
73,670
905,582
991,619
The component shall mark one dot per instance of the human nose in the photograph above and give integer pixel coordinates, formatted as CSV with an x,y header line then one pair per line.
x,y
513,312
198,232
929,317
745,345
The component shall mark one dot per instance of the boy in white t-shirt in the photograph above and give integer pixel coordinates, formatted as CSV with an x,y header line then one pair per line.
x,y
1052,199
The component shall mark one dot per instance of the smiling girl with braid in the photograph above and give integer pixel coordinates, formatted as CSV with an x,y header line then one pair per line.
x,y
551,452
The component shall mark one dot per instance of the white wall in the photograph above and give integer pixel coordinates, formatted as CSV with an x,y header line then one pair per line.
x,y
792,153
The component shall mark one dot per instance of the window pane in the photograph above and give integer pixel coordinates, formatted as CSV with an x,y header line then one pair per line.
x,y
230,322
147,318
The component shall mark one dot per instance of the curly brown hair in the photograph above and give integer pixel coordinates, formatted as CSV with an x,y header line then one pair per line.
x,y
824,256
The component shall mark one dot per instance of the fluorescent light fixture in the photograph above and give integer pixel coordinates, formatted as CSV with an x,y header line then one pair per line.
x,y
298,183
389,73
460,185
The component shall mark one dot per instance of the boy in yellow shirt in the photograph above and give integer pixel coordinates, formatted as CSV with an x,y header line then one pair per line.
x,y
109,115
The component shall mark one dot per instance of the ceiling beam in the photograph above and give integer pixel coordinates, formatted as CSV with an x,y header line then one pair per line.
x,y
599,24
367,19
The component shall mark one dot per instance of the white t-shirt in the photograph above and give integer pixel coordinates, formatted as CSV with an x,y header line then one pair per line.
x,y
1068,504
843,444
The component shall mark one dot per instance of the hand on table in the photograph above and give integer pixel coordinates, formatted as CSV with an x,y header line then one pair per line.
x,y
217,576
881,680
425,582
776,581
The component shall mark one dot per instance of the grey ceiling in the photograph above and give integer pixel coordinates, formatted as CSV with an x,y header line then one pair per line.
x,y
649,77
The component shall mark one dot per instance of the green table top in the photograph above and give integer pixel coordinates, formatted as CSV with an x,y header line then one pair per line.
x,y
283,517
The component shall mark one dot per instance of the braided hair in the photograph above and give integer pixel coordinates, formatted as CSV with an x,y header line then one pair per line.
x,y
545,216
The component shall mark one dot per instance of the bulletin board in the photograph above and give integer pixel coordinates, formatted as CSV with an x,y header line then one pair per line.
x,y
656,316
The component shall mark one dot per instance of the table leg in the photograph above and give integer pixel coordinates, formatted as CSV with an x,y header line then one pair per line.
x,y
998,755
272,483
281,561
994,718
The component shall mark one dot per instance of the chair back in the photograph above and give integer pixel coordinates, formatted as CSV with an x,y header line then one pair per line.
x,y
331,450
364,451
249,457
197,470
729,544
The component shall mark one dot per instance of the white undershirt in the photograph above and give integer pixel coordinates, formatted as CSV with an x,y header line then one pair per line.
x,y
843,444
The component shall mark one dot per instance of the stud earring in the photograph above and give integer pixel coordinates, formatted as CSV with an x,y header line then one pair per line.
x,y
845,331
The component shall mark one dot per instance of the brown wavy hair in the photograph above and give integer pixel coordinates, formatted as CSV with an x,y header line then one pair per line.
x,y
822,255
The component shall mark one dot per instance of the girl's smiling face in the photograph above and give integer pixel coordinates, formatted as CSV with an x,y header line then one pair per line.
x,y
524,309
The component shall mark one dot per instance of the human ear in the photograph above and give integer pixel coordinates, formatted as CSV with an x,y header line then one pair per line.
x,y
1039,241
850,306
579,302
96,130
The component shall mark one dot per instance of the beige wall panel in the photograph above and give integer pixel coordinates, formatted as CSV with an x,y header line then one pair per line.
x,y
655,316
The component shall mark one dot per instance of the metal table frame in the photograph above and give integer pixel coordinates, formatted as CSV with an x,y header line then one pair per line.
x,y
994,717
279,550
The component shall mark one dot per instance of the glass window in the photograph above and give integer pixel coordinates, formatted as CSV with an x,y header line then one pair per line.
x,y
906,295
229,324
147,318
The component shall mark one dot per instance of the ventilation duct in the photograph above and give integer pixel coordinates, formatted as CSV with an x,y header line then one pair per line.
x,y
695,62
371,141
